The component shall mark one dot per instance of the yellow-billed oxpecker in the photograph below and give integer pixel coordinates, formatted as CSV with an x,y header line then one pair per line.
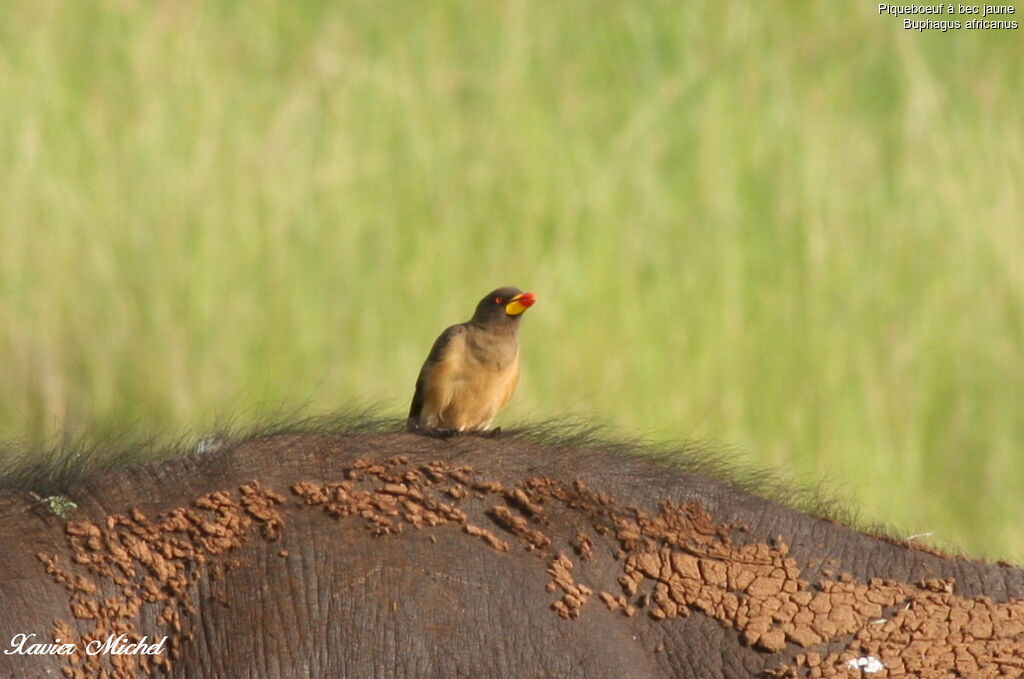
x,y
473,367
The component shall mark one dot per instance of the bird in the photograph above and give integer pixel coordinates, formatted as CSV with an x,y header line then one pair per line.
x,y
472,369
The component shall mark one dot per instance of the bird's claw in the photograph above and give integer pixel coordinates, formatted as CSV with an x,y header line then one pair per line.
x,y
443,434
447,433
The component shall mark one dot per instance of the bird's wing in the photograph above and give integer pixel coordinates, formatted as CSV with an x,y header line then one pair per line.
x,y
434,359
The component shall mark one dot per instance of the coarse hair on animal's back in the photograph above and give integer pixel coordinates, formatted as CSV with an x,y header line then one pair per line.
x,y
574,443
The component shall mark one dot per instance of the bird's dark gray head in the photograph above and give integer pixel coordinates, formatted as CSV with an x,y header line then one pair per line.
x,y
503,307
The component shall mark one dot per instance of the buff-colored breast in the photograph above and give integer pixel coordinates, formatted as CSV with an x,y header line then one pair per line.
x,y
468,387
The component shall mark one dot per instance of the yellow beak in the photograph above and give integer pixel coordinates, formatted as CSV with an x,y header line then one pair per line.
x,y
520,303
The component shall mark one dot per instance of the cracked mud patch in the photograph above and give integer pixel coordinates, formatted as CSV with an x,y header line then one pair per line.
x,y
679,561
675,562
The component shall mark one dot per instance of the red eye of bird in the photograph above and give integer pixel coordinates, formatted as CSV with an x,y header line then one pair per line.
x,y
499,300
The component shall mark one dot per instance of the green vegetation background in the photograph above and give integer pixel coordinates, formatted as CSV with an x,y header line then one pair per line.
x,y
792,229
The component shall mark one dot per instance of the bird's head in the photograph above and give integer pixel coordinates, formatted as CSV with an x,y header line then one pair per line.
x,y
504,306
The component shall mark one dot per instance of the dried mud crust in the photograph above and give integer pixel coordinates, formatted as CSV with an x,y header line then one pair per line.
x,y
151,563
672,563
679,561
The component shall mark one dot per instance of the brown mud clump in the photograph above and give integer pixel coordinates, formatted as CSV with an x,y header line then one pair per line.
x,y
647,568
133,561
679,561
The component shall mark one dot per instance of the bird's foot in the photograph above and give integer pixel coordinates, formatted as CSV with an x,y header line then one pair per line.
x,y
492,434
442,434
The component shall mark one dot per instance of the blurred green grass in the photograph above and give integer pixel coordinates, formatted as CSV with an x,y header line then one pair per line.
x,y
792,229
